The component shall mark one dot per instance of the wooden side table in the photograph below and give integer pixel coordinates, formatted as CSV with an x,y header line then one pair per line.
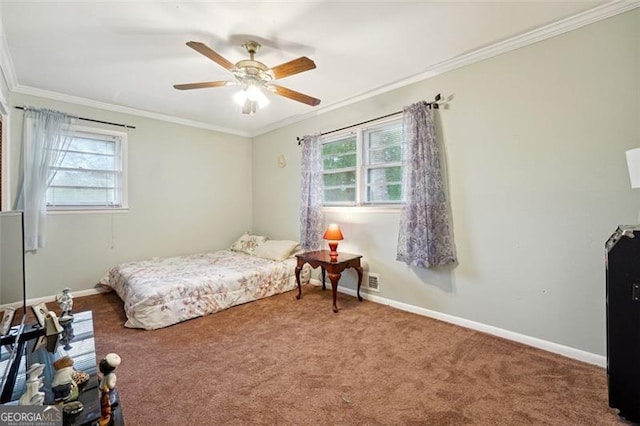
x,y
321,258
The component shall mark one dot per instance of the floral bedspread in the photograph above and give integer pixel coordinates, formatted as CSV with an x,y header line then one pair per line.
x,y
163,291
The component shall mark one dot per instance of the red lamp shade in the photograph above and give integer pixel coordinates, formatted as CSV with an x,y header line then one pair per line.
x,y
333,234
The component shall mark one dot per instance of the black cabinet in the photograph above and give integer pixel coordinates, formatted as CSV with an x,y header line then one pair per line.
x,y
623,321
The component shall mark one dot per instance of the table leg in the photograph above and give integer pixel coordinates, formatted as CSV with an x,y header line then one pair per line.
x,y
323,275
334,288
298,269
359,270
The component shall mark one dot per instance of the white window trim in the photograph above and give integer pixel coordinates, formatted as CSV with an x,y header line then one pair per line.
x,y
359,204
124,207
85,210
376,208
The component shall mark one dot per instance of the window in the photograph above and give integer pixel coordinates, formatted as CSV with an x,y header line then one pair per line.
x,y
364,167
92,173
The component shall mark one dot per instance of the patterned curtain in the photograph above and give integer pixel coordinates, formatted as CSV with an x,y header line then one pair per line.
x,y
311,195
425,237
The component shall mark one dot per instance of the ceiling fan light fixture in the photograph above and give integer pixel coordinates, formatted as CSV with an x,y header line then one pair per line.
x,y
251,93
240,97
254,76
250,107
255,94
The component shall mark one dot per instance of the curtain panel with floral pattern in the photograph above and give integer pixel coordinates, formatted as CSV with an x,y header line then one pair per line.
x,y
425,238
311,193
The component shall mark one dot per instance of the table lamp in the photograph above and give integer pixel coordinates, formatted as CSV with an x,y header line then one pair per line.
x,y
333,234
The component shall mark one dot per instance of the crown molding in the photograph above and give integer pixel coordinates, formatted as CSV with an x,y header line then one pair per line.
x,y
571,23
125,110
6,63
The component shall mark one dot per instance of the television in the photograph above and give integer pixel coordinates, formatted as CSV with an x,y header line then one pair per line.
x,y
12,299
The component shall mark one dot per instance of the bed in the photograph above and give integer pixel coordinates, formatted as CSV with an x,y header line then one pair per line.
x,y
160,292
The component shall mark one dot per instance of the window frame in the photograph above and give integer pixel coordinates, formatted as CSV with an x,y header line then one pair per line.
x,y
121,153
362,167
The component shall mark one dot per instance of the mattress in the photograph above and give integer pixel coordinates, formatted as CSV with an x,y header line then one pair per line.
x,y
163,291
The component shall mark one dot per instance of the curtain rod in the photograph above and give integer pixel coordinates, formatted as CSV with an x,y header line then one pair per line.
x,y
433,105
126,126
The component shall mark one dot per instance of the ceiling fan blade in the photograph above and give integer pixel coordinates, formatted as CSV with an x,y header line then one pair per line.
x,y
202,85
296,96
206,51
293,67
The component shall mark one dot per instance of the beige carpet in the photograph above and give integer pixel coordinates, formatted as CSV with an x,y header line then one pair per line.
x,y
282,361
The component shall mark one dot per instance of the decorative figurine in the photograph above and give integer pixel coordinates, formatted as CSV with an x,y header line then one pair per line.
x,y
65,301
67,333
35,371
107,366
63,387
81,378
105,408
33,395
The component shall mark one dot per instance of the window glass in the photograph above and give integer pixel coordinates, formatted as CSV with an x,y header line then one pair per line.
x,y
339,154
339,158
377,178
92,171
384,144
384,185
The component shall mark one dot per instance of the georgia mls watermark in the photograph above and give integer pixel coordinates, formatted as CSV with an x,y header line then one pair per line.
x,y
30,415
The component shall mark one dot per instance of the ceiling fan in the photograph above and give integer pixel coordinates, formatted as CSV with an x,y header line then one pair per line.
x,y
253,75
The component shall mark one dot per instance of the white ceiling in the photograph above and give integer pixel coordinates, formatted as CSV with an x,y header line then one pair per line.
x,y
129,54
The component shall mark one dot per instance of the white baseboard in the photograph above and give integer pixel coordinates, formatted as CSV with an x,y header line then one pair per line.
x,y
47,299
569,352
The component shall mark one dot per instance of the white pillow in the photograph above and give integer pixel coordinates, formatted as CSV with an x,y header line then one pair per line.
x,y
247,243
276,249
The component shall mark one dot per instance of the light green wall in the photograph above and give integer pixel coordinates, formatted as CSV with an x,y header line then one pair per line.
x,y
189,191
535,143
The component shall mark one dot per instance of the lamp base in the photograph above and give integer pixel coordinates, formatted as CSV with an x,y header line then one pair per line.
x,y
333,253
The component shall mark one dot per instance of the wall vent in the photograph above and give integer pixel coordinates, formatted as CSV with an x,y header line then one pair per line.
x,y
372,283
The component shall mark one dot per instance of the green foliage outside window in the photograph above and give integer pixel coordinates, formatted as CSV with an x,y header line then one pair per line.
x,y
385,184
380,177
339,154
339,179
